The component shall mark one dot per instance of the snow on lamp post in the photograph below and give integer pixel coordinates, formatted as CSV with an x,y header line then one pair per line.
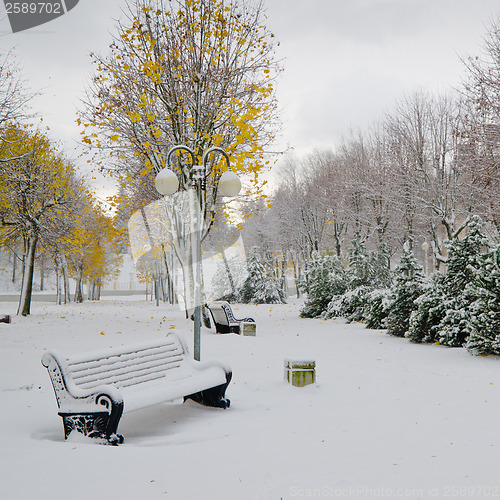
x,y
167,183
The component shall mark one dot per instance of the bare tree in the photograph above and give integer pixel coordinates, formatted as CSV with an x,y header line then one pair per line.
x,y
14,95
481,136
433,185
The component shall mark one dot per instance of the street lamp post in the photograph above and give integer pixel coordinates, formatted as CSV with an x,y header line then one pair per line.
x,y
167,183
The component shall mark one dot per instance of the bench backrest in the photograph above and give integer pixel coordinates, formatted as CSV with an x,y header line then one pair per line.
x,y
222,313
126,366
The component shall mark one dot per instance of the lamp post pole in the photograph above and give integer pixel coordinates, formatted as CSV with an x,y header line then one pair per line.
x,y
167,183
198,180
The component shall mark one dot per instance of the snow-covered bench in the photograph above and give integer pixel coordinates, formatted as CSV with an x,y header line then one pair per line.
x,y
94,389
224,319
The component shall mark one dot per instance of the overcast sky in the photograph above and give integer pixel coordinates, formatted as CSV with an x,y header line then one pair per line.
x,y
346,61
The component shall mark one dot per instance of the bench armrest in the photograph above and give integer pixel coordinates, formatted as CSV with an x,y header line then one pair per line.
x,y
73,399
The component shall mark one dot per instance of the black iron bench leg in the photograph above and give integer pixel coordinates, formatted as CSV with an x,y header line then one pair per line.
x,y
99,425
214,397
114,418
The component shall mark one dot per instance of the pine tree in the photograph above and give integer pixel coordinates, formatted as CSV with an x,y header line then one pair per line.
x,y
372,269
454,328
428,313
408,287
325,277
359,264
259,288
443,309
484,317
380,267
350,305
367,274
377,308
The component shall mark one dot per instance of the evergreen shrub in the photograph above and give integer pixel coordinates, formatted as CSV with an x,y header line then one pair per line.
x,y
325,277
484,315
408,286
259,287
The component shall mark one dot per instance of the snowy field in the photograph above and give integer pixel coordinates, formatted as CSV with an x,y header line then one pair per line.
x,y
386,419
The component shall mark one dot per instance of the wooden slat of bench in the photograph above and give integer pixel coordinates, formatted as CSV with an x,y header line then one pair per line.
x,y
129,379
112,358
122,378
112,364
126,366
119,368
123,350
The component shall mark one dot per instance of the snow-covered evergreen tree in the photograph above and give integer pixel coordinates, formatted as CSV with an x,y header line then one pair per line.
x,y
325,276
259,287
367,273
377,307
407,288
463,256
429,311
380,267
359,264
350,305
357,300
484,313
443,309
369,269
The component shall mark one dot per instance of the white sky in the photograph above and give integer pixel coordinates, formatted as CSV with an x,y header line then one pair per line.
x,y
347,61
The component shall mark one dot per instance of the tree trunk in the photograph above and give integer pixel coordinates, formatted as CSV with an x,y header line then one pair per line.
x,y
79,286
14,262
284,274
42,274
57,269
157,291
95,290
67,294
29,268
169,278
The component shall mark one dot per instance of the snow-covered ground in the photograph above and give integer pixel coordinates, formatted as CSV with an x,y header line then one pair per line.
x,y
386,419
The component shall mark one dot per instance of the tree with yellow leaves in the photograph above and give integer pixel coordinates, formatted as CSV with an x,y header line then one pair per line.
x,y
90,249
192,72
36,188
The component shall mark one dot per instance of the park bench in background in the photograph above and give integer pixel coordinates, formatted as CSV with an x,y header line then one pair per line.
x,y
94,389
225,322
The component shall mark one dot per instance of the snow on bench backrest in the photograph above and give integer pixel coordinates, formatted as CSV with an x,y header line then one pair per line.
x,y
128,365
229,312
222,313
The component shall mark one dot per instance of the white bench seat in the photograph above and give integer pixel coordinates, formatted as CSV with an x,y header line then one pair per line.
x,y
94,389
